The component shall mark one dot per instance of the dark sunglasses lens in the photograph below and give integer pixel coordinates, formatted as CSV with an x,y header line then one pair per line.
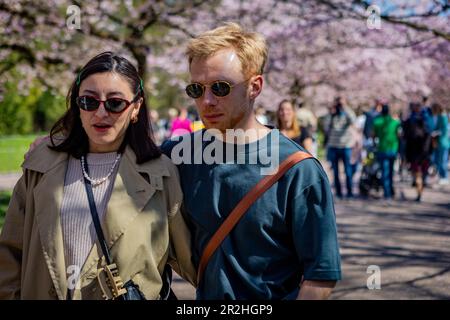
x,y
220,88
88,103
194,90
115,105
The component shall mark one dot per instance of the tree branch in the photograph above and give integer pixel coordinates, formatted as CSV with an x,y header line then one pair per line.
x,y
413,25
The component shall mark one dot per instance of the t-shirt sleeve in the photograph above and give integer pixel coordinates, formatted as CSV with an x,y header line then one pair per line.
x,y
167,147
305,134
315,233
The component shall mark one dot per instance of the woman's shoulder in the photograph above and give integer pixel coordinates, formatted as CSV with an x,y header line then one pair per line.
x,y
42,158
160,166
167,163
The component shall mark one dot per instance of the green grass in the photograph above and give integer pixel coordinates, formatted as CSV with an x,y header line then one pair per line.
x,y
12,149
5,196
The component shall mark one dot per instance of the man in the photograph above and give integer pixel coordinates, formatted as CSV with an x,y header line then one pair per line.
x,y
418,146
308,120
429,121
285,246
340,142
427,114
370,117
387,130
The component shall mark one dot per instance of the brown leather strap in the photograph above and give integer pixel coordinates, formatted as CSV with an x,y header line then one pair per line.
x,y
243,206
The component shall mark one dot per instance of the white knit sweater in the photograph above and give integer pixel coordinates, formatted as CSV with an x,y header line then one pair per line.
x,y
78,229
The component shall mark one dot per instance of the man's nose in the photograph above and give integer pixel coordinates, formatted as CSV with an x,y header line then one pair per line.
x,y
209,98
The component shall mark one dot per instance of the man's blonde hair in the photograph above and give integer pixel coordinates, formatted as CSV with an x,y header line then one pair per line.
x,y
250,47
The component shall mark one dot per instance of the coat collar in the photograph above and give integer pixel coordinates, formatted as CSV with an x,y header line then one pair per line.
x,y
42,159
134,186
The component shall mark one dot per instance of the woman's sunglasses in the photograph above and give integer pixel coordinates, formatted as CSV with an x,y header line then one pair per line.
x,y
113,105
219,88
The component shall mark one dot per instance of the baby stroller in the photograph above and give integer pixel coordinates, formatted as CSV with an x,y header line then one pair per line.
x,y
370,174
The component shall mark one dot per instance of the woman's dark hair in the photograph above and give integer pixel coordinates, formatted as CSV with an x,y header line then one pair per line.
x,y
69,129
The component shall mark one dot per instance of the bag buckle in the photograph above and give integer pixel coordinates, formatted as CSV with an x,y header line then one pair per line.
x,y
110,282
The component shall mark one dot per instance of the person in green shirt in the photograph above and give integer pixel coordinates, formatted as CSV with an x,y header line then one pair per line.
x,y
386,130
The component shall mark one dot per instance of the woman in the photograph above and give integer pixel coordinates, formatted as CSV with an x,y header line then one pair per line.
x,y
181,124
49,248
288,125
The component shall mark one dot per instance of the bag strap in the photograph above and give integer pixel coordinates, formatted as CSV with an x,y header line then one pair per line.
x,y
233,218
95,218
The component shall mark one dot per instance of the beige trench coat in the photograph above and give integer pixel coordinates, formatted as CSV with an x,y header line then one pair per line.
x,y
143,227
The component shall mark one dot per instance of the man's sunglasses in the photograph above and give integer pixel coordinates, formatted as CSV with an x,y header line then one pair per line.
x,y
219,88
113,105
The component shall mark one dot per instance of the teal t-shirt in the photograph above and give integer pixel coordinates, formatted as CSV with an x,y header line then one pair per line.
x,y
289,232
442,127
386,130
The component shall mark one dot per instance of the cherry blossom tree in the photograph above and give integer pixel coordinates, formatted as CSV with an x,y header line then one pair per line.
x,y
318,48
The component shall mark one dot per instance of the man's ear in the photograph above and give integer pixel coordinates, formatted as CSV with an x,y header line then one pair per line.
x,y
256,84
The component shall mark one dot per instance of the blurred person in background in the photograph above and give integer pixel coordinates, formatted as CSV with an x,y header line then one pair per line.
x,y
156,127
368,124
441,138
172,113
181,124
288,125
386,130
340,141
307,119
418,146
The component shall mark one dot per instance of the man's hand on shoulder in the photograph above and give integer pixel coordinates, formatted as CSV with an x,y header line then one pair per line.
x,y
35,143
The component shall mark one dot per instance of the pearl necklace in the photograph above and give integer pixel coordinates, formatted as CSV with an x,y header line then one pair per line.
x,y
96,182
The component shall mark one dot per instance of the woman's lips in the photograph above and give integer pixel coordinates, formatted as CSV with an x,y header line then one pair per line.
x,y
101,127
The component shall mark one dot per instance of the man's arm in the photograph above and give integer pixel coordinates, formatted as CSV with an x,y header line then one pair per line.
x,y
315,290
315,235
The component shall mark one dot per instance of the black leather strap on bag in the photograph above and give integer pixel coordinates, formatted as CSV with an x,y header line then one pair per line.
x,y
242,207
95,218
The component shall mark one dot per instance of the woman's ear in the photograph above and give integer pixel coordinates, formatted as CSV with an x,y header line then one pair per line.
x,y
136,108
140,101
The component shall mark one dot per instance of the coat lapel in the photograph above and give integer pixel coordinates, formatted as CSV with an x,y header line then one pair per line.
x,y
131,193
49,191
